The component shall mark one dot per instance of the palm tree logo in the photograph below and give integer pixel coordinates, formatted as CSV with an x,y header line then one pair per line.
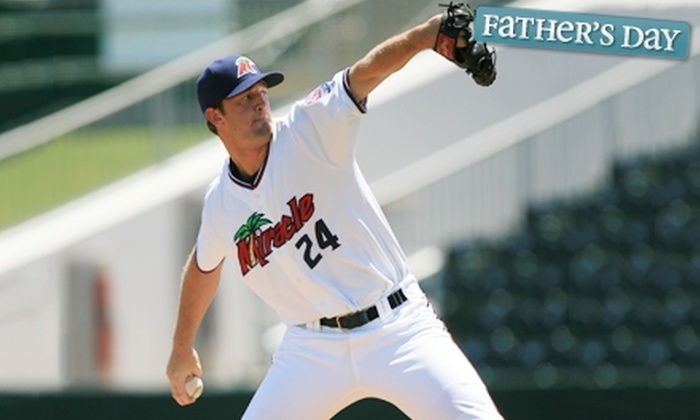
x,y
249,230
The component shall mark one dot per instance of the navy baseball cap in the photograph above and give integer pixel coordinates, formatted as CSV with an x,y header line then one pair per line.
x,y
229,76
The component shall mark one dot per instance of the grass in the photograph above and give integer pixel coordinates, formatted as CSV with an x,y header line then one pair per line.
x,y
68,167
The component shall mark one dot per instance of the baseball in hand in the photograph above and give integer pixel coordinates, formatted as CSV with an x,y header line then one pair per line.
x,y
194,387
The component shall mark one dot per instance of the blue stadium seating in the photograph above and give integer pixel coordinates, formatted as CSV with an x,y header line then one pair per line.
x,y
600,290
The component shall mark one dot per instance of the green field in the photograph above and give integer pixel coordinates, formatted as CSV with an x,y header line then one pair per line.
x,y
68,167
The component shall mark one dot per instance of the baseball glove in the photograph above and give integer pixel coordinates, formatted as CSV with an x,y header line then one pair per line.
x,y
455,42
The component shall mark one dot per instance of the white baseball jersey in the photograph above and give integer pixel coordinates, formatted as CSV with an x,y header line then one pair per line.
x,y
307,234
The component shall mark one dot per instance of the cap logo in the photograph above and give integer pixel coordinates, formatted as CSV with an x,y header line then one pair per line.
x,y
245,66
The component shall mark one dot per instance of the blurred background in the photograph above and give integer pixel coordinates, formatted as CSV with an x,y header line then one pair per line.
x,y
553,218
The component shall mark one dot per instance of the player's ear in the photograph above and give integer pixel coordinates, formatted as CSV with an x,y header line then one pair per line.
x,y
214,116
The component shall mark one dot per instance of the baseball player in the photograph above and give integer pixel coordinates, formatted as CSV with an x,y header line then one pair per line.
x,y
292,211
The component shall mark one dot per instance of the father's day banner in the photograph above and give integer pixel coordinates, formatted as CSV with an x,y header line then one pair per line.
x,y
580,32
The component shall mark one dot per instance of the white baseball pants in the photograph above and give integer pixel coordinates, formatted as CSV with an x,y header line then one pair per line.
x,y
405,358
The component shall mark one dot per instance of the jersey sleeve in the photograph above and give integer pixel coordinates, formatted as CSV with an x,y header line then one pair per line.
x,y
210,248
326,121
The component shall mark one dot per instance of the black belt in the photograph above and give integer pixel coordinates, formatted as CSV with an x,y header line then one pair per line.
x,y
360,318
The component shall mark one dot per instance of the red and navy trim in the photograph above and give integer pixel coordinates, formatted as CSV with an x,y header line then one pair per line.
x,y
251,185
361,105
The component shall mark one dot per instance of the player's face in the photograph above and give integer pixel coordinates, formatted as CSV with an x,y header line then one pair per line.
x,y
248,115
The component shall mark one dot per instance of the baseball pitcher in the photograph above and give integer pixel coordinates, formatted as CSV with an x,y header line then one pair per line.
x,y
293,213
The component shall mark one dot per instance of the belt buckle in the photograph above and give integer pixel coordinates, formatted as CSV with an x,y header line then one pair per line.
x,y
337,322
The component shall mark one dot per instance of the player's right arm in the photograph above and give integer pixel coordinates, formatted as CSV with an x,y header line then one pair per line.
x,y
197,291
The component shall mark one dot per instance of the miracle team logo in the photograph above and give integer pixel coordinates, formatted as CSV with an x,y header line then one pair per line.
x,y
259,237
255,244
245,66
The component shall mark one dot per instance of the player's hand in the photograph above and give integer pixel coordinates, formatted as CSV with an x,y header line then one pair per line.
x,y
183,365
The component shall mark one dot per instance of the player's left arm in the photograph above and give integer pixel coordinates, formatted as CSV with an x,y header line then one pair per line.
x,y
390,56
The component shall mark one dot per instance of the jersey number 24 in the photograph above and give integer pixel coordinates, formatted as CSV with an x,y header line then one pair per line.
x,y
324,239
